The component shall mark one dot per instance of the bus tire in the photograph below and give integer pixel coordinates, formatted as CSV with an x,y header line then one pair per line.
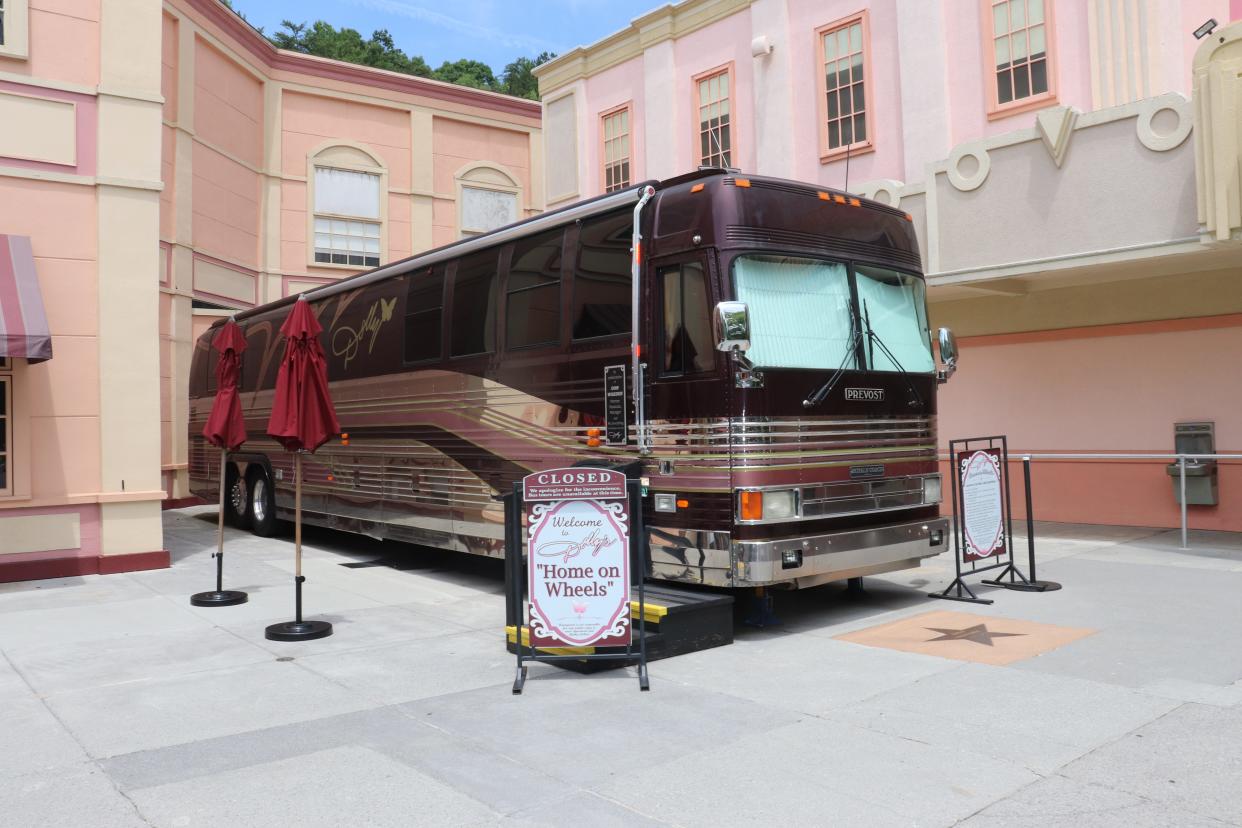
x,y
236,499
263,520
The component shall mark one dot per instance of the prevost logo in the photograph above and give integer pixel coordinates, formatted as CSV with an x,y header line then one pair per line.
x,y
857,472
865,394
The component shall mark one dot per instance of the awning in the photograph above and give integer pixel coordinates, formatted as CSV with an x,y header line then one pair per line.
x,y
23,324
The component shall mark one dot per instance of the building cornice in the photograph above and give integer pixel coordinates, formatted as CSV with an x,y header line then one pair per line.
x,y
262,50
665,23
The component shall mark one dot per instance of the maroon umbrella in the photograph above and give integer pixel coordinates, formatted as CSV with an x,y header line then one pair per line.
x,y
226,430
302,420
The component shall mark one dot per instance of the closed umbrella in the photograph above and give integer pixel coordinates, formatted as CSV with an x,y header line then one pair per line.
x,y
302,420
226,430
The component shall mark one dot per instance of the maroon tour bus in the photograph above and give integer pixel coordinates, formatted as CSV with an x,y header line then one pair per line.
x,y
756,350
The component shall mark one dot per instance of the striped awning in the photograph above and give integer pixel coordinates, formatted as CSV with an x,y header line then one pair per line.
x,y
23,324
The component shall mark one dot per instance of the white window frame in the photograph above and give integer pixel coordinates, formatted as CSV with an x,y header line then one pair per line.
x,y
16,15
485,176
360,160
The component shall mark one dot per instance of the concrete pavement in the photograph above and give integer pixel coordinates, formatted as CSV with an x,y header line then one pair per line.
x,y
121,704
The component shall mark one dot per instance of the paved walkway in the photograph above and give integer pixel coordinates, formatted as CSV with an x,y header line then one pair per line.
x,y
122,705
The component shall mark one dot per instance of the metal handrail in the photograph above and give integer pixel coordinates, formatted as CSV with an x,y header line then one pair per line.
x,y
1180,459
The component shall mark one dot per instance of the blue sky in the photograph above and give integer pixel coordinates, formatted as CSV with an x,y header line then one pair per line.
x,y
493,31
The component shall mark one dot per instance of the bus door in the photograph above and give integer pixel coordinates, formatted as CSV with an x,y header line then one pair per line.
x,y
686,395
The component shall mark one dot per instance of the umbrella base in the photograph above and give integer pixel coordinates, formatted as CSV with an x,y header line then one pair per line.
x,y
219,598
298,631
1034,586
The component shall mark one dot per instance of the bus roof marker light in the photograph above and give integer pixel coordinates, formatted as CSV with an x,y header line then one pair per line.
x,y
825,197
855,202
742,182
697,188
839,199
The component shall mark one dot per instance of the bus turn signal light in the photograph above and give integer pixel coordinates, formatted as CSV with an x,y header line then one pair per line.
x,y
752,505
682,503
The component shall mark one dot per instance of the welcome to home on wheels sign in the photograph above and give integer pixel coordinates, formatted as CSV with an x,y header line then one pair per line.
x,y
983,516
578,561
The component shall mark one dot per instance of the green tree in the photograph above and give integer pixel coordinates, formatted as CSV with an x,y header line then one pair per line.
x,y
325,40
519,79
467,72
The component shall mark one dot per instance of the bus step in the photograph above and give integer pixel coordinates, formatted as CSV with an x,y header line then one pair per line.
x,y
679,621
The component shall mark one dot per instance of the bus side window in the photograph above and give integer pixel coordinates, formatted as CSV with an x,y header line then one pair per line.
x,y
602,277
424,312
687,327
473,328
533,308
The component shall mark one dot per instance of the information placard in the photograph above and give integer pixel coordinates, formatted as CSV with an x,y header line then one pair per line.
x,y
983,511
578,561
616,432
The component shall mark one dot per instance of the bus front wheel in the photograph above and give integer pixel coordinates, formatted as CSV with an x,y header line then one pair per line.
x,y
236,500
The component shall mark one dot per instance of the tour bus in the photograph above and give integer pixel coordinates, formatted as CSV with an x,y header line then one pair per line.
x,y
756,350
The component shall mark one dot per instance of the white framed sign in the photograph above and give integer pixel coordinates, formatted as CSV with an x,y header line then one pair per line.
x,y
578,557
983,513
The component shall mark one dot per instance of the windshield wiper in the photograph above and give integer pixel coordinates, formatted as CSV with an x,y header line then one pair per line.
x,y
873,339
817,396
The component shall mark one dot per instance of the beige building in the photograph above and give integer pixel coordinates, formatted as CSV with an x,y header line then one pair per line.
x,y
168,165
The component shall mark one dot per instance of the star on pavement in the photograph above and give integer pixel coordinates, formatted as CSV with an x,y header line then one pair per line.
x,y
979,634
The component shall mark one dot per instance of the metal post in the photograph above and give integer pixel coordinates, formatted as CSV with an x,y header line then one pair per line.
x,y
1030,517
1181,473
224,453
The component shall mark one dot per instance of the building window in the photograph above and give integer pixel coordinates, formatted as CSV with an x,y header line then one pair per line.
x,y
13,28
714,106
6,426
347,217
846,117
1020,52
615,127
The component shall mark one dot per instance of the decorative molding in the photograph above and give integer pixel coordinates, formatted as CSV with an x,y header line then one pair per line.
x,y
967,181
668,22
274,59
891,188
1055,126
1164,141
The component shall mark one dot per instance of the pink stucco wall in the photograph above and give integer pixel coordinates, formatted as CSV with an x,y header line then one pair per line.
x,y
727,42
608,90
1110,389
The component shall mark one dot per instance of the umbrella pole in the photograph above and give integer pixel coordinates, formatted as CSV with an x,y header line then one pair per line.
x,y
297,629
297,535
220,597
224,453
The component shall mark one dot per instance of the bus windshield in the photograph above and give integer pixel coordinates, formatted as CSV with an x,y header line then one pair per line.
x,y
800,315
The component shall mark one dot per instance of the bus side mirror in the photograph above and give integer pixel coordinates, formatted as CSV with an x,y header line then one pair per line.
x,y
948,355
731,325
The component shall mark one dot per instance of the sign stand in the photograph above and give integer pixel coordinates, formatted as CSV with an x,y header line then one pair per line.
x,y
982,518
560,548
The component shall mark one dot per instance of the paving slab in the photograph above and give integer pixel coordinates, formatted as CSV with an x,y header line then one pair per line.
x,y
35,742
76,795
812,771
331,788
144,714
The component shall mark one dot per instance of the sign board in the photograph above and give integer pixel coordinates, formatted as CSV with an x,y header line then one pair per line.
x,y
616,432
983,513
578,557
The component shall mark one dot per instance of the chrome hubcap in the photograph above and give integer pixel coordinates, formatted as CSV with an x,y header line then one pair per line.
x,y
258,504
237,496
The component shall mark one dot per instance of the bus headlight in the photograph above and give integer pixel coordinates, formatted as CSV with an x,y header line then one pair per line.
x,y
771,504
780,504
931,489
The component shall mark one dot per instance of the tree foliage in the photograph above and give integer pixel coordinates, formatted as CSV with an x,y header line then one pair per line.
x,y
325,40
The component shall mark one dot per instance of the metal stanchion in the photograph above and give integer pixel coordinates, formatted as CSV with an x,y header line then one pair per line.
x,y
1181,473
1034,585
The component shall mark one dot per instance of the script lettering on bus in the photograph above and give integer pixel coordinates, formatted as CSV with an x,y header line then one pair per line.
x,y
346,341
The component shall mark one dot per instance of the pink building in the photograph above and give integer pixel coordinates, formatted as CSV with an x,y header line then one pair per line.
x,y
1044,149
159,166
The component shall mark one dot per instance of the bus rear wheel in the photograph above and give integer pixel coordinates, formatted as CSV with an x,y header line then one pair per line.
x,y
262,505
236,500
